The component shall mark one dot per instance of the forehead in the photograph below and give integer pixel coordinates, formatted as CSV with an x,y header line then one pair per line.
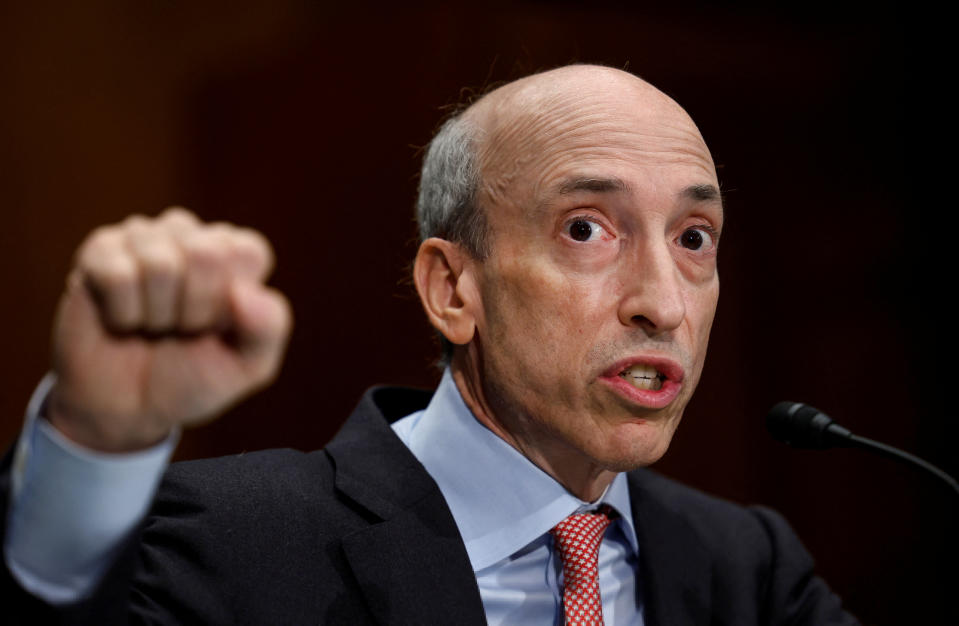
x,y
610,127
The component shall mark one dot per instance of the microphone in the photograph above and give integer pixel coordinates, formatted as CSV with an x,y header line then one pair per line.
x,y
802,426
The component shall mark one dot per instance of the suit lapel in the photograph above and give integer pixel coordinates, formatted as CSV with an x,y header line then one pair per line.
x,y
675,568
410,561
411,575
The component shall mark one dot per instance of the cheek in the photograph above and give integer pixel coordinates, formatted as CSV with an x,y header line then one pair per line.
x,y
536,302
537,331
705,304
701,308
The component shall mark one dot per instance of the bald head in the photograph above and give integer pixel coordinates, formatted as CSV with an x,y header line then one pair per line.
x,y
563,89
527,127
479,156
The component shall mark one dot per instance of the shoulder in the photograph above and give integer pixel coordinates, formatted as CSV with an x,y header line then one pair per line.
x,y
737,537
291,480
278,490
753,561
250,535
714,519
281,473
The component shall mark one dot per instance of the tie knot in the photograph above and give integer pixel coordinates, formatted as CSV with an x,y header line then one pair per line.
x,y
582,531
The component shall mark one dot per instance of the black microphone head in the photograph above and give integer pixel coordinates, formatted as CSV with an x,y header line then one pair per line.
x,y
802,426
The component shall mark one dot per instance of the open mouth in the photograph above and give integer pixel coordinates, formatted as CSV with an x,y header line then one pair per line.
x,y
643,376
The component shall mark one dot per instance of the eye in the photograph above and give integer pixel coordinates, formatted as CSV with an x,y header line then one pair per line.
x,y
697,238
585,230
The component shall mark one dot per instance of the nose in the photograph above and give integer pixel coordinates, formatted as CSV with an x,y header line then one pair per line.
x,y
653,296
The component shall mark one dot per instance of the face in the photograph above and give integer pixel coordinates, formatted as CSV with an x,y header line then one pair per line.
x,y
597,299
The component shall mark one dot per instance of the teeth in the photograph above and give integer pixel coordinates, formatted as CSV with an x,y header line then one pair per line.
x,y
643,377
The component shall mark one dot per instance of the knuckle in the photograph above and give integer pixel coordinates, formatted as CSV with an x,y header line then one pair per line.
x,y
177,212
160,260
254,241
98,242
204,298
221,227
115,277
107,264
178,220
119,299
136,222
205,248
253,252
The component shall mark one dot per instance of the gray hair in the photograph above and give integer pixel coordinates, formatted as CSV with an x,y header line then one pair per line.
x,y
447,206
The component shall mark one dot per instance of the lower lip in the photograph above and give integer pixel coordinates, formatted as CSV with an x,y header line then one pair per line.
x,y
649,398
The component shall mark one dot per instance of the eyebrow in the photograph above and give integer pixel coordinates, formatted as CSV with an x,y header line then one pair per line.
x,y
702,193
598,185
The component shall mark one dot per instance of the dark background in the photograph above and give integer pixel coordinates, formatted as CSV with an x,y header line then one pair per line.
x,y
829,125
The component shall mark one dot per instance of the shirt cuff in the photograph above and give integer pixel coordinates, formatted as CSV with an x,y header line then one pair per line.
x,y
71,506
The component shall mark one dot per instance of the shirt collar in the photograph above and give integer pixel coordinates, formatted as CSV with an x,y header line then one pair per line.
x,y
499,499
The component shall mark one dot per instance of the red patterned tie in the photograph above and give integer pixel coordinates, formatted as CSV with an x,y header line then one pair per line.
x,y
577,538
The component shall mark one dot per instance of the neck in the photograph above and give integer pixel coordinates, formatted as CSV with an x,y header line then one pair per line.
x,y
577,474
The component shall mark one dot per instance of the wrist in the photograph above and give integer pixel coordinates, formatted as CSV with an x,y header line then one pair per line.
x,y
99,433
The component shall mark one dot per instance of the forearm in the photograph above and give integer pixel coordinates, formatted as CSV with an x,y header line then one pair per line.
x,y
70,508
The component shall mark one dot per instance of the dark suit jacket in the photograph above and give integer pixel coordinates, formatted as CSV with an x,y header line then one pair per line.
x,y
359,533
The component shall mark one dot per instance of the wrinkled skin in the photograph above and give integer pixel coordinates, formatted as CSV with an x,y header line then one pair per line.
x,y
603,205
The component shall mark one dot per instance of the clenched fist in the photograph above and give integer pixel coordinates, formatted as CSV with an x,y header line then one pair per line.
x,y
164,321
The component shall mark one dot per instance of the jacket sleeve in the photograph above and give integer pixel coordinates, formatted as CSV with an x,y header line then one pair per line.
x,y
106,605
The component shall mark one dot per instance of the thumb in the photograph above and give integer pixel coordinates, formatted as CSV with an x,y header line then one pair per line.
x,y
262,319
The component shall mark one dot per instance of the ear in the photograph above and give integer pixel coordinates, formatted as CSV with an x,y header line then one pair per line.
x,y
444,280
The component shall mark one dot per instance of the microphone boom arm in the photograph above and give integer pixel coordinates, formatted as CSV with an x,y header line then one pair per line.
x,y
802,426
864,443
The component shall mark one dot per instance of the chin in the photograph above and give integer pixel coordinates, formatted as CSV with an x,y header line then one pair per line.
x,y
631,453
627,464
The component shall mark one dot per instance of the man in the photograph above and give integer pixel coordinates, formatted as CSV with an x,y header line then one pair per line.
x,y
570,222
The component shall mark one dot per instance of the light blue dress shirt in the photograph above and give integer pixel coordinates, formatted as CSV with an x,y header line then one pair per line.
x,y
70,507
505,506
